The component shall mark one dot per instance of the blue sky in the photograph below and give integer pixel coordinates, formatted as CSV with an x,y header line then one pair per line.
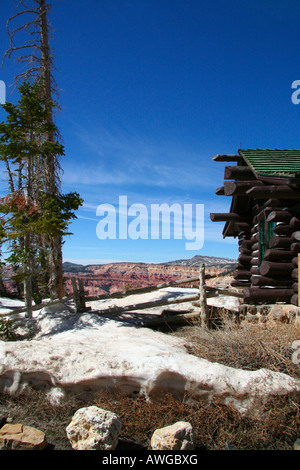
x,y
151,90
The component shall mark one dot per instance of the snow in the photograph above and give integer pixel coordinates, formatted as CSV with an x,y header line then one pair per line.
x,y
83,353
7,306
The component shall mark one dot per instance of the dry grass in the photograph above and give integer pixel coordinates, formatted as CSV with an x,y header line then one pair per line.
x,y
216,426
246,346
34,409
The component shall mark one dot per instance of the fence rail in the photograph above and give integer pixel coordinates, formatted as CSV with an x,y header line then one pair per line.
x,y
199,300
36,307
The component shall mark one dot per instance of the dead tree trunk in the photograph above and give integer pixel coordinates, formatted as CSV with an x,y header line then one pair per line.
x,y
40,65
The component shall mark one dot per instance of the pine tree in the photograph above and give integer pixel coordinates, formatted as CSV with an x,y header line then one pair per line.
x,y
38,58
30,214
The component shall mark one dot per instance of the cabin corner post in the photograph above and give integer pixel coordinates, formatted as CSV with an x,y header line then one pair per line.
x,y
298,280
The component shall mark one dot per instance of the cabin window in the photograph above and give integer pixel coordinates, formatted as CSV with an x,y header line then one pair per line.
x,y
271,226
262,241
265,233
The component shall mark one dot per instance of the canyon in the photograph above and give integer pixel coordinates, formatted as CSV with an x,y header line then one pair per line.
x,y
114,277
99,279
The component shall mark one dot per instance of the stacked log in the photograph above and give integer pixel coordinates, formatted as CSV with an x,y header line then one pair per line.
x,y
276,279
254,252
261,295
242,269
270,275
275,192
242,272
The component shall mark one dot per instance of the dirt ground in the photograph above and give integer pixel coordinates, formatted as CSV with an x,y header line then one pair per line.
x,y
217,427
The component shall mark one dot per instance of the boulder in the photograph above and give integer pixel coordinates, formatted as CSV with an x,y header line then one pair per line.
x,y
279,313
178,436
21,437
296,445
93,428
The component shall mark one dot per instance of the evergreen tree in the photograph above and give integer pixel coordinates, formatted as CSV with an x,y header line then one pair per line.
x,y
37,55
30,213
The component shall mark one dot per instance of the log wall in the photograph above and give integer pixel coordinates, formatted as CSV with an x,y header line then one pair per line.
x,y
275,277
242,272
271,275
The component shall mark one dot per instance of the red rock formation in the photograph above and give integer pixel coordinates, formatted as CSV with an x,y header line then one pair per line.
x,y
115,277
109,278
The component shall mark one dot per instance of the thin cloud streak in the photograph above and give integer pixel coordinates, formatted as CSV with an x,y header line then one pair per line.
x,y
120,158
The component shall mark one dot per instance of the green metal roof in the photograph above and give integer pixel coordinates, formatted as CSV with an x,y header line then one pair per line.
x,y
273,162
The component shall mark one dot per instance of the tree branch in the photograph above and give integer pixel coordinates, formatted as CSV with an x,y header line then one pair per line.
x,y
28,58
17,15
11,50
12,33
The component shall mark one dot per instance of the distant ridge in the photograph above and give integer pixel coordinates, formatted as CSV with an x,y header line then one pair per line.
x,y
198,259
73,267
107,278
210,261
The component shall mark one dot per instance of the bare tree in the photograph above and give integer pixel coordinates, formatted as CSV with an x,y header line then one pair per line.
x,y
36,53
37,56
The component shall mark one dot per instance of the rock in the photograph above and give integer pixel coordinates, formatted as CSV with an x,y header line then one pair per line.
x,y
296,445
279,314
296,353
21,437
178,436
92,428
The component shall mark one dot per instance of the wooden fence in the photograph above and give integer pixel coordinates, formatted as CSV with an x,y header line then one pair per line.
x,y
199,300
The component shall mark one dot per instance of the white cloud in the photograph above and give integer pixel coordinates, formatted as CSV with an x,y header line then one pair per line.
x,y
88,261
121,157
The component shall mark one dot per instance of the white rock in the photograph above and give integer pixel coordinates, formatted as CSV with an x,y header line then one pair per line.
x,y
92,428
178,436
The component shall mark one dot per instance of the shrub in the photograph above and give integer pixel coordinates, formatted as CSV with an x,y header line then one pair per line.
x,y
7,330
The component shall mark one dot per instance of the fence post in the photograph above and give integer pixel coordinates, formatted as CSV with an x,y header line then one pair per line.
x,y
202,296
75,295
81,294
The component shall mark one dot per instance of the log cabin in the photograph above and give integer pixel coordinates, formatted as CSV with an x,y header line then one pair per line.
x,y
264,186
